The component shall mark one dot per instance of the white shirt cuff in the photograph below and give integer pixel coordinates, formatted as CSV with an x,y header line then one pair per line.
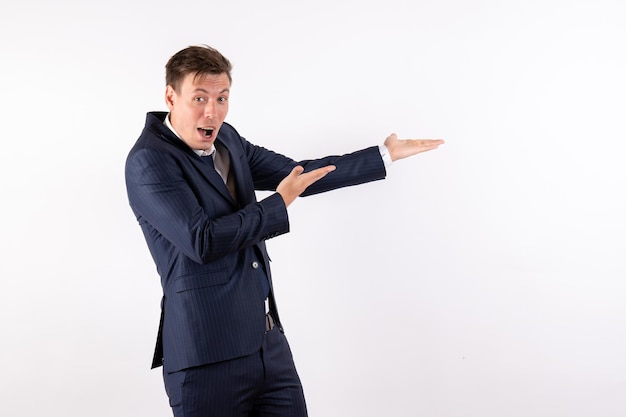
x,y
384,153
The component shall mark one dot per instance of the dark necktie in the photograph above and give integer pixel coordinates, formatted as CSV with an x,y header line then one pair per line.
x,y
220,162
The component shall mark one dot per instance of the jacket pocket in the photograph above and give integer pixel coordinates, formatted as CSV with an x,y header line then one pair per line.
x,y
202,280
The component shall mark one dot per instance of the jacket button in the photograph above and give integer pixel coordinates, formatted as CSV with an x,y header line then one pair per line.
x,y
255,265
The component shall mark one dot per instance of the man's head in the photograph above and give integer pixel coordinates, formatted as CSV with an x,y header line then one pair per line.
x,y
198,85
197,60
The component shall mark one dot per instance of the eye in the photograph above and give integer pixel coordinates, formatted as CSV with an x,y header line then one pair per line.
x,y
199,99
222,99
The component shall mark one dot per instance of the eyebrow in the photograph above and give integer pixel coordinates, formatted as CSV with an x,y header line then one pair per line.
x,y
202,90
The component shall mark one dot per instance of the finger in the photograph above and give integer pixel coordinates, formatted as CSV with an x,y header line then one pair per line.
x,y
430,142
323,170
317,174
425,141
434,141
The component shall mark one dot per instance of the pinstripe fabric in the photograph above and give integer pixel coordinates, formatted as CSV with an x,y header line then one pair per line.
x,y
210,250
262,384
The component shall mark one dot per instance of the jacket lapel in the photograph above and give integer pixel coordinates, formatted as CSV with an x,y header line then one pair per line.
x,y
155,121
236,170
211,175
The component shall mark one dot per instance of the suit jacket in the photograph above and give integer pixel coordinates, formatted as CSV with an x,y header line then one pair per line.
x,y
209,249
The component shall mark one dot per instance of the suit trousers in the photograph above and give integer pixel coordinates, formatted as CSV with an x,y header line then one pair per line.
x,y
264,384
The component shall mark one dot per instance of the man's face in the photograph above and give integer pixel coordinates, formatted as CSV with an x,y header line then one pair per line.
x,y
199,108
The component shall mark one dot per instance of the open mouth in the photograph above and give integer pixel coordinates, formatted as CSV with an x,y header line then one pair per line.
x,y
206,132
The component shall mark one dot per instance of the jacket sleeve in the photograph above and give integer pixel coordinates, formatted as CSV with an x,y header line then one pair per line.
x,y
352,169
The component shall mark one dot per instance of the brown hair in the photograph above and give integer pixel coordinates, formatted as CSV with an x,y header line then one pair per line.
x,y
199,60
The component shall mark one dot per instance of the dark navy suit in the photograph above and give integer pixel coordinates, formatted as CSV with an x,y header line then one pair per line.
x,y
209,248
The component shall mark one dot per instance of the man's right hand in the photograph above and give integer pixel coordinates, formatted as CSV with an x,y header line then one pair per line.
x,y
296,182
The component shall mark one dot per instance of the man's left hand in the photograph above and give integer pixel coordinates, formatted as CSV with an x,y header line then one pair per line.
x,y
403,148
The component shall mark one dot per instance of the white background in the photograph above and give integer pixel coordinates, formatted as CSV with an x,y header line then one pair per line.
x,y
485,278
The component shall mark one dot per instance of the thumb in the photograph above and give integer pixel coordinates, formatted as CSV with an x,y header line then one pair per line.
x,y
296,171
391,138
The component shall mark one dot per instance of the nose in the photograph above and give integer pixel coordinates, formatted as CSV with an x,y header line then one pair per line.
x,y
209,109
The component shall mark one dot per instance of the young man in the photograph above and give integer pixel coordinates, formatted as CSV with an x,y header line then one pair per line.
x,y
190,180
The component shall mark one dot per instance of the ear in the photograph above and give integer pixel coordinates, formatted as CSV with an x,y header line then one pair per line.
x,y
170,97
